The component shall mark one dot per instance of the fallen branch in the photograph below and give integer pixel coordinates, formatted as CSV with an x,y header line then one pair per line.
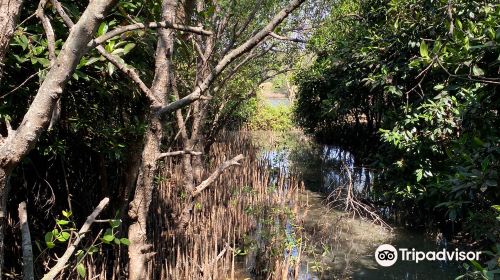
x,y
206,269
61,262
185,215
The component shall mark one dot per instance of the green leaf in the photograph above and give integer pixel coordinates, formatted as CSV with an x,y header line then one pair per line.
x,y
67,214
79,255
108,236
115,223
125,241
111,68
62,222
81,270
491,183
92,249
103,28
50,244
438,87
476,265
128,47
477,71
63,237
424,50
91,61
117,241
48,237
419,173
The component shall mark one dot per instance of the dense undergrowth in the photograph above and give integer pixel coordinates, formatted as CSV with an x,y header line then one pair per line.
x,y
421,78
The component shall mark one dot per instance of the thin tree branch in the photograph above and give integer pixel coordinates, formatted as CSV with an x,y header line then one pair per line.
x,y
284,38
60,10
49,31
132,74
162,24
61,262
125,68
231,56
21,85
178,153
203,185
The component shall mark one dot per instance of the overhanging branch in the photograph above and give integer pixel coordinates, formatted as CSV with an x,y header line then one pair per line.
x,y
284,38
152,25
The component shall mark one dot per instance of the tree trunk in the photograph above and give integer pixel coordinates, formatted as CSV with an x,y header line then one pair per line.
x,y
4,192
28,271
9,14
19,142
139,249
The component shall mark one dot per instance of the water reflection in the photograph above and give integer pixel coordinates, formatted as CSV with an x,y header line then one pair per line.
x,y
325,168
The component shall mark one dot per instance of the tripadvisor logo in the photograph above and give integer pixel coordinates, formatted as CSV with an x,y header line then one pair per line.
x,y
387,255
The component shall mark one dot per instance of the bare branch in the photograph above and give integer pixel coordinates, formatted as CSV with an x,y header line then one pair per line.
x,y
162,24
125,68
178,153
203,185
60,10
49,31
61,262
284,38
20,85
231,56
132,74
206,269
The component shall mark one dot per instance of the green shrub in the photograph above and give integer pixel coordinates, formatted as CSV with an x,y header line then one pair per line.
x,y
268,117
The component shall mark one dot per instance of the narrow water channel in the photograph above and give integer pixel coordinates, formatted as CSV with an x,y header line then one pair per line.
x,y
336,245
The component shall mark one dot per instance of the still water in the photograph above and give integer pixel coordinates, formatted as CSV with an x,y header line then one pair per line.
x,y
340,247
